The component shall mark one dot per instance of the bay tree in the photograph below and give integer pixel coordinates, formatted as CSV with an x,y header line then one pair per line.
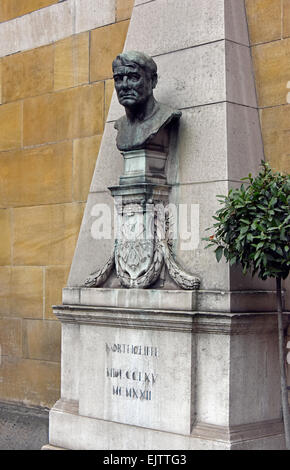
x,y
252,229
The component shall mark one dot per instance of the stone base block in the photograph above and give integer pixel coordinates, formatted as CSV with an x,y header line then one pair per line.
x,y
74,432
136,379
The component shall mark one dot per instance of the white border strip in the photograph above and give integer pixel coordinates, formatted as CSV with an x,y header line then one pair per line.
x,y
53,23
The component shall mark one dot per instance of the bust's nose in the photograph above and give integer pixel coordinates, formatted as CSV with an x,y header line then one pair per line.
x,y
124,83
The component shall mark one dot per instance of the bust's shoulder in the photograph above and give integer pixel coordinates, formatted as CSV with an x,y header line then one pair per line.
x,y
120,122
168,112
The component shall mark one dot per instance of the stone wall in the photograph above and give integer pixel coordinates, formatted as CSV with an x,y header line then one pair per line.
x,y
56,86
269,26
55,96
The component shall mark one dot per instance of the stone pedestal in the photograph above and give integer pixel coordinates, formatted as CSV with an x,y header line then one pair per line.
x,y
147,376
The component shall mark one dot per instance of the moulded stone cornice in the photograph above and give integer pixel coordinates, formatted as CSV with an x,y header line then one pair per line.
x,y
183,321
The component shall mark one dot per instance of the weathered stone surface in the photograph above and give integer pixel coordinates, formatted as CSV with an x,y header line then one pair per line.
x,y
70,360
276,136
84,161
190,250
109,89
11,337
27,74
0,81
106,43
31,381
240,83
10,126
244,140
230,155
13,8
109,163
286,19
149,34
48,179
95,432
42,27
93,14
124,9
272,69
71,62
96,240
5,228
26,292
41,340
21,292
236,24
55,280
46,235
131,298
261,375
264,17
5,280
39,28
62,115
97,398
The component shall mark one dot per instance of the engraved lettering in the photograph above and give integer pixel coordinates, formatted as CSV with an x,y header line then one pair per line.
x,y
147,378
117,391
113,373
132,349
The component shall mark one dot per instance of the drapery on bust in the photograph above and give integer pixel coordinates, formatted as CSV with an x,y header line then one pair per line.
x,y
135,76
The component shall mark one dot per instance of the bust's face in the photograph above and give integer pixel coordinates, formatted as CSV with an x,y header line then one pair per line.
x,y
132,84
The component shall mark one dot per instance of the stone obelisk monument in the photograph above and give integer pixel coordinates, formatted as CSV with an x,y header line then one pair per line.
x,y
163,348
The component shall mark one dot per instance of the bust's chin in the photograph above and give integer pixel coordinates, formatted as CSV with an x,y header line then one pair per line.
x,y
128,102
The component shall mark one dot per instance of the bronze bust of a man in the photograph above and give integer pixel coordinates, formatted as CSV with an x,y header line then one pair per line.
x,y
135,76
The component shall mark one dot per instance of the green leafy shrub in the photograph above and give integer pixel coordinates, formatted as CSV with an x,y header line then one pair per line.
x,y
253,226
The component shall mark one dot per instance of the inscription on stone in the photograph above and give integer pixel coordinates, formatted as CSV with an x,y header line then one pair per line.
x,y
129,382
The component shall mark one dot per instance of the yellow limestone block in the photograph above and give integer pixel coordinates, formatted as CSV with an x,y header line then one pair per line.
x,y
27,74
11,336
264,19
46,235
124,9
41,175
26,292
286,18
276,136
31,381
42,340
69,114
71,62
5,230
272,71
10,126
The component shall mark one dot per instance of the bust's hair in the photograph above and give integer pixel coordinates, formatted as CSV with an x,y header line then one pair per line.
x,y
139,58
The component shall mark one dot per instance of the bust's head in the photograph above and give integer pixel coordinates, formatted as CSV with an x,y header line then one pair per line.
x,y
135,76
